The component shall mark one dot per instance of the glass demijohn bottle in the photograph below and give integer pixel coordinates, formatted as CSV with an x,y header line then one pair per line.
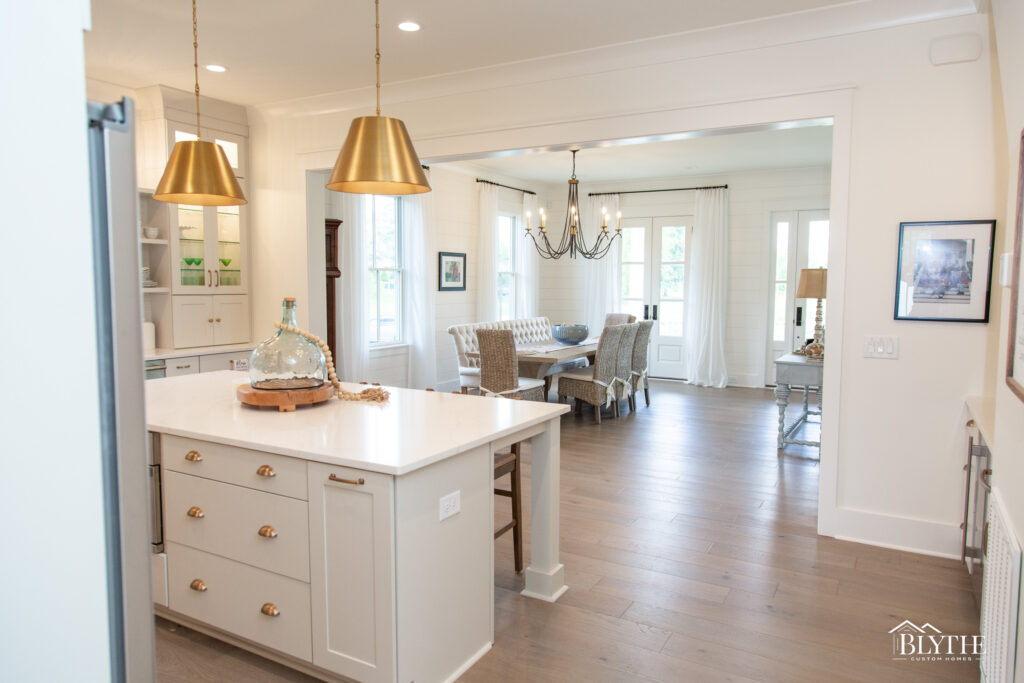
x,y
287,360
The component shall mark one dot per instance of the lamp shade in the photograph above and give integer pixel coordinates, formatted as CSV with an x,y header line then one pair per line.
x,y
378,158
199,173
812,284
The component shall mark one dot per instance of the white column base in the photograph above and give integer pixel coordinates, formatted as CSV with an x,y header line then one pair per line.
x,y
543,585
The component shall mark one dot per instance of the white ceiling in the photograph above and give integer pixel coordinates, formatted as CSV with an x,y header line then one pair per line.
x,y
296,48
722,153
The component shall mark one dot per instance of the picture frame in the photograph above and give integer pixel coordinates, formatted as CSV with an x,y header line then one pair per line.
x,y
1015,345
451,271
944,271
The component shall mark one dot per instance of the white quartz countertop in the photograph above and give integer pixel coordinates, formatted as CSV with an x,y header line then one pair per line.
x,y
413,429
163,354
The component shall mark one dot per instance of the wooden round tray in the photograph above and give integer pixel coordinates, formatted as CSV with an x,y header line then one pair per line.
x,y
284,400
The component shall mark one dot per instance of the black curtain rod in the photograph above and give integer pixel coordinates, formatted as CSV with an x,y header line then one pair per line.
x,y
507,187
424,167
671,189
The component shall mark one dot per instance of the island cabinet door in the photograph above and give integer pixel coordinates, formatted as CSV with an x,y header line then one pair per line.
x,y
352,577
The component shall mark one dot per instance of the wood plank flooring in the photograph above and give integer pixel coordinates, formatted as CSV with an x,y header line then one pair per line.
x,y
691,554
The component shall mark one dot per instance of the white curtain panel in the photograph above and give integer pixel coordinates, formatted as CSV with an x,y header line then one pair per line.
x,y
353,342
601,295
707,281
419,230
527,263
487,255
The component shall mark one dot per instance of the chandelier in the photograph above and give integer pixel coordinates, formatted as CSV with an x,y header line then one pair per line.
x,y
573,241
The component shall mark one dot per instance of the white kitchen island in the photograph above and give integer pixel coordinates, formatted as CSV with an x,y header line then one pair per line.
x,y
314,537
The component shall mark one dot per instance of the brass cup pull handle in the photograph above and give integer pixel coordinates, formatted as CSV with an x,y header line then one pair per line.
x,y
983,478
194,456
970,423
270,609
358,482
196,512
267,531
266,471
198,585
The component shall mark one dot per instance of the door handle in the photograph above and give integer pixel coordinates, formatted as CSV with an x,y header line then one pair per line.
x,y
646,311
799,316
655,310
217,274
209,279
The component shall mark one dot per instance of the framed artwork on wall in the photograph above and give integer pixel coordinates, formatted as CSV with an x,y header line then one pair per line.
x,y
944,271
1015,350
451,271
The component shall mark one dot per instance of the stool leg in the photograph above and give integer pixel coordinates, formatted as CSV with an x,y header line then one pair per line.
x,y
517,528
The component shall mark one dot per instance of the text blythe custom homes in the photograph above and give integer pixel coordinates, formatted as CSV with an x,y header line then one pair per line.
x,y
927,643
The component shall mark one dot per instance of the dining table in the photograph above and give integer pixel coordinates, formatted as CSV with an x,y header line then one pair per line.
x,y
537,358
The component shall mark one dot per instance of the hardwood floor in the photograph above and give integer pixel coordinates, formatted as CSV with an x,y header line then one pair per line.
x,y
691,554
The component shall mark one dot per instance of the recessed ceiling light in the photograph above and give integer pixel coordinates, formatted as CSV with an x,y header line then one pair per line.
x,y
409,26
216,68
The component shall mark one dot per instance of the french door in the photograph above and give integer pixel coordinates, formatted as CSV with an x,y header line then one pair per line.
x,y
799,240
653,285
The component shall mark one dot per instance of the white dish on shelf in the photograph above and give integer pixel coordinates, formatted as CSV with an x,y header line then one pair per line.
x,y
150,283
151,233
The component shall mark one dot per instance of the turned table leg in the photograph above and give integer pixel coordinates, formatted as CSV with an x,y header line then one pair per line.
x,y
782,392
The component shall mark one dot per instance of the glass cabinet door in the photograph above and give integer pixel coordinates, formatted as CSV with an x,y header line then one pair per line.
x,y
191,263
228,267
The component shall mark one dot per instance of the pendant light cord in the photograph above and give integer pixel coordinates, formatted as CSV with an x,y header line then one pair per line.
x,y
195,59
376,6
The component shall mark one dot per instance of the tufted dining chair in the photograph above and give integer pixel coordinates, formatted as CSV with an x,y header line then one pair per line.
x,y
595,385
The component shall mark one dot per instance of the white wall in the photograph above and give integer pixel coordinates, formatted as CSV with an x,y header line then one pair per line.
x,y
1008,445
53,587
753,195
911,142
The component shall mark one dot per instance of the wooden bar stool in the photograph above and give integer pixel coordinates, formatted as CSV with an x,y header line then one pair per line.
x,y
508,463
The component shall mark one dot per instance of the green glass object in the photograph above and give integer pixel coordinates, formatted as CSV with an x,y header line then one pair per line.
x,y
287,360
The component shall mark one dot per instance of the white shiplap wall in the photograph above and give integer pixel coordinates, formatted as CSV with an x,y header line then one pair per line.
x,y
753,195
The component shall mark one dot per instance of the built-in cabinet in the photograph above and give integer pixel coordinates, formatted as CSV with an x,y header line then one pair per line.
x,y
199,252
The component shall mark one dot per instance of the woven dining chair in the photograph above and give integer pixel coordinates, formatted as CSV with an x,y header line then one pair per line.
x,y
638,374
499,368
624,367
619,319
595,385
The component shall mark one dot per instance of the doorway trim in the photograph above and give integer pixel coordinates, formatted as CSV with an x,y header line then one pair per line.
x,y
835,104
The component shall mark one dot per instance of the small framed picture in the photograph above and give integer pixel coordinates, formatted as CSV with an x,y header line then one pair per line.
x,y
944,271
451,272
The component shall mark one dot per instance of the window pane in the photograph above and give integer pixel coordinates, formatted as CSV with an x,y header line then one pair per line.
x,y
632,286
386,232
672,284
670,318
180,135
633,306
633,245
780,312
673,243
230,151
390,325
371,306
506,226
506,296
817,244
782,250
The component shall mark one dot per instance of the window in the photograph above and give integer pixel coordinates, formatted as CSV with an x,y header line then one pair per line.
x,y
384,257
506,267
781,280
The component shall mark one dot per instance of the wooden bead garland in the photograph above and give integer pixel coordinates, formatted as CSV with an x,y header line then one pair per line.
x,y
374,394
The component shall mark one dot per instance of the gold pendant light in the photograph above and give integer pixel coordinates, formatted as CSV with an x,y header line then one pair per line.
x,y
198,171
378,156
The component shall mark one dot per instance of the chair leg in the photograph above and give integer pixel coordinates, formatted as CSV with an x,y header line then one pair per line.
x,y
517,529
547,386
597,413
465,390
579,406
647,396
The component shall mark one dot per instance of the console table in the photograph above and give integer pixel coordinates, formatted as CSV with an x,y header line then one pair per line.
x,y
791,370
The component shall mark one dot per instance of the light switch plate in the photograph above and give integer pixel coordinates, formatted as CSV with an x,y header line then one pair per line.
x,y
450,505
240,364
882,346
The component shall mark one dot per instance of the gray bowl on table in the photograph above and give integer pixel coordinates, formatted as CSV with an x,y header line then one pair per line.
x,y
569,334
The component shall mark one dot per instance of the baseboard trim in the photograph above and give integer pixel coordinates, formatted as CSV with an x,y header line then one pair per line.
x,y
919,536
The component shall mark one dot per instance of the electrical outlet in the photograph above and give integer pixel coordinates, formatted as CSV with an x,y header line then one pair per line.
x,y
450,505
879,346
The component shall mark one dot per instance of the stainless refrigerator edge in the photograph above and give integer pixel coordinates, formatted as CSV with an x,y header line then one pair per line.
x,y
118,295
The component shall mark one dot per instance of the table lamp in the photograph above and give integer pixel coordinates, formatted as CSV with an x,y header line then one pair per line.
x,y
812,285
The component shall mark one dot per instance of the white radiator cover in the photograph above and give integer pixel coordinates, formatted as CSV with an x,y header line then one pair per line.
x,y
1000,595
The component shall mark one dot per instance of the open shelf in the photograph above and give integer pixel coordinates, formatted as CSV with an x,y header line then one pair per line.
x,y
147,240
156,290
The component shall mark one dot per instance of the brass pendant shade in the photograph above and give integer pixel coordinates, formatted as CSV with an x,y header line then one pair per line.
x,y
378,158
199,173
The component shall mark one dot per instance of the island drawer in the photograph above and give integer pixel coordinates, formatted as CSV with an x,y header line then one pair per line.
x,y
240,600
260,529
253,469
